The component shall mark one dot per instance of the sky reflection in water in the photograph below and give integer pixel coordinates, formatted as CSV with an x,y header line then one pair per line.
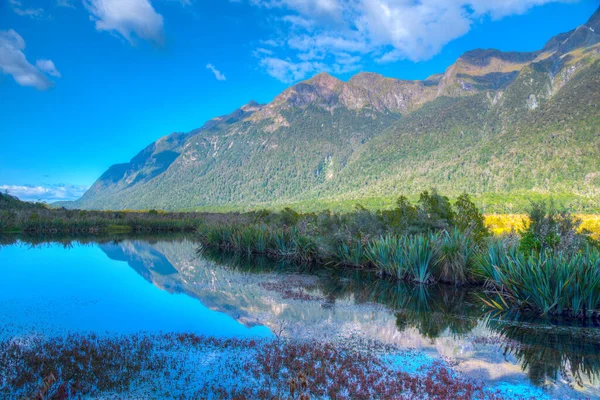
x,y
138,285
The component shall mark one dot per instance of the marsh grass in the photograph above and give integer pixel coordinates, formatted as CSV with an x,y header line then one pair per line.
x,y
53,221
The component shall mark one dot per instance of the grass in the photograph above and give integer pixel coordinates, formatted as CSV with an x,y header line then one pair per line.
x,y
59,221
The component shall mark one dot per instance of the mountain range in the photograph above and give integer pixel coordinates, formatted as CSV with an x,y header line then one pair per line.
x,y
503,126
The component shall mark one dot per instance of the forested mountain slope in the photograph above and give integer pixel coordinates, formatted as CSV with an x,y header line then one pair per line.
x,y
495,124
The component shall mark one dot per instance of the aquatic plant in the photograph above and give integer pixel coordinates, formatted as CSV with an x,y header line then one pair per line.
x,y
167,366
491,263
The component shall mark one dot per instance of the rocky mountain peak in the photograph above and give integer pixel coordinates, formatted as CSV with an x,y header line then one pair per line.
x,y
324,81
583,36
366,79
594,21
252,106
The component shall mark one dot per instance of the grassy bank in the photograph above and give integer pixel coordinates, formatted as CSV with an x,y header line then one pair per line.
x,y
546,262
550,265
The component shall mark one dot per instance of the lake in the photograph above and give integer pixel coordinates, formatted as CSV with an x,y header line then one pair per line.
x,y
199,316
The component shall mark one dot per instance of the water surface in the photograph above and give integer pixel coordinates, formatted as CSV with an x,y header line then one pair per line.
x,y
131,285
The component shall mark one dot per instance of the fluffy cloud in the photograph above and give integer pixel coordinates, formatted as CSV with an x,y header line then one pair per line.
x,y
130,19
13,62
220,76
18,7
48,193
48,67
337,34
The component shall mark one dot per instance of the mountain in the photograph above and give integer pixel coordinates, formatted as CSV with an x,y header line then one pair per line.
x,y
9,202
504,126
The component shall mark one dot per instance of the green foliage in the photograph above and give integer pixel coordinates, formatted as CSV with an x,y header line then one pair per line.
x,y
8,202
420,257
551,229
489,143
289,217
56,221
388,254
469,218
456,255
435,210
548,282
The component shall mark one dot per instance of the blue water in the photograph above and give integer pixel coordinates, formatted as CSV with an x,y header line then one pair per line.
x,y
133,285
52,289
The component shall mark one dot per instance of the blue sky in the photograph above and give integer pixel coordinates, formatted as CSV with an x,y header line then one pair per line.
x,y
85,84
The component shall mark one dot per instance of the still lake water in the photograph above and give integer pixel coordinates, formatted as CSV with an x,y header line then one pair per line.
x,y
131,285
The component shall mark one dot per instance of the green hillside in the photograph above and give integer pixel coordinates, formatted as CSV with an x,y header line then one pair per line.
x,y
504,126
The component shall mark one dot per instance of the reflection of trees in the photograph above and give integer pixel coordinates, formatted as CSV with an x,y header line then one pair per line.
x,y
430,309
547,351
69,240
434,310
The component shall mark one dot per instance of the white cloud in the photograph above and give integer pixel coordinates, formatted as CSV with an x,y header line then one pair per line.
x,y
13,62
48,193
288,71
64,3
19,9
48,67
220,76
337,34
129,18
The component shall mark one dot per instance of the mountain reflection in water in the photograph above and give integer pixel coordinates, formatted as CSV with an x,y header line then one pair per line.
x,y
304,302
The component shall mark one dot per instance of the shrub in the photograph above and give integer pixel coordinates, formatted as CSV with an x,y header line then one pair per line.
x,y
387,253
549,228
548,282
435,211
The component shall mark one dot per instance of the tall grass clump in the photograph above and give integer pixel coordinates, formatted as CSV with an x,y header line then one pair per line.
x,y
352,254
387,253
421,251
549,283
491,263
455,257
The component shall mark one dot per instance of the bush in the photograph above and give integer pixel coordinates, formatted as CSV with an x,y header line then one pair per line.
x,y
550,229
